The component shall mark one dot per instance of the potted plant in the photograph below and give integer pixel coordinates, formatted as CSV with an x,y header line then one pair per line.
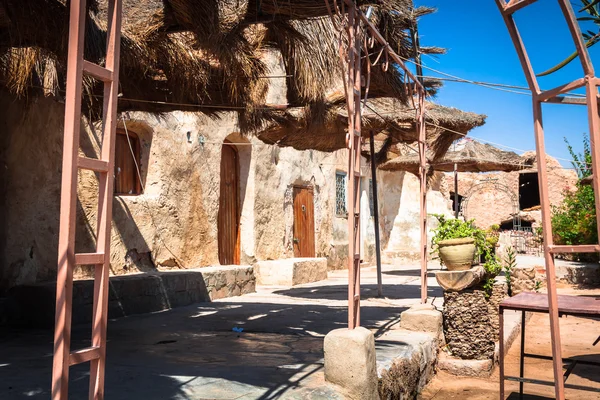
x,y
457,242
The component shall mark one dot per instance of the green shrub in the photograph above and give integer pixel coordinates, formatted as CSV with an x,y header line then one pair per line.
x,y
574,220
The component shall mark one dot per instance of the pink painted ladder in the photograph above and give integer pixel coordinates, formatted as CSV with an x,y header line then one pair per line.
x,y
354,144
590,82
72,162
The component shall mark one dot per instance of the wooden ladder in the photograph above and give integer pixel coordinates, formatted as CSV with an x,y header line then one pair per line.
x,y
557,95
72,162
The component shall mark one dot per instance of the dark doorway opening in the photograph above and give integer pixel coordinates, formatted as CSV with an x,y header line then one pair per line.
x,y
509,225
529,190
460,199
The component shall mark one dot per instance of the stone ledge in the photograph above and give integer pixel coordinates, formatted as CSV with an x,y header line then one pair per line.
x,y
458,367
33,305
290,271
405,362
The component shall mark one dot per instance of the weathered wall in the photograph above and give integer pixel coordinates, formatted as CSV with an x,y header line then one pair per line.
x,y
489,206
400,212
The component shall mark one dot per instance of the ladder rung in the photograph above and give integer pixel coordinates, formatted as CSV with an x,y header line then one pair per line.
x,y
587,248
92,164
89,258
517,5
84,355
97,71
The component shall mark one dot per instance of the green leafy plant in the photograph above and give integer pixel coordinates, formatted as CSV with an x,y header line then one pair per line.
x,y
537,286
510,263
574,219
485,244
454,228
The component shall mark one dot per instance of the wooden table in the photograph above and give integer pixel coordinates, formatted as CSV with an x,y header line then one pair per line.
x,y
579,306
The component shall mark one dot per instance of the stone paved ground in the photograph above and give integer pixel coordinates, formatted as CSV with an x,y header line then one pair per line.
x,y
193,352
577,335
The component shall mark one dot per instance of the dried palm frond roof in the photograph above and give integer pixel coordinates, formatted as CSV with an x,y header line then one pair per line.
x,y
323,126
469,156
200,52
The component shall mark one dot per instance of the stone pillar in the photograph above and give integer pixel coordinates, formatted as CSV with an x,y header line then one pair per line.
x,y
471,321
350,362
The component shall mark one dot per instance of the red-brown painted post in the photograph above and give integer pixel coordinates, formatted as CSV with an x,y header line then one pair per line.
x,y
104,166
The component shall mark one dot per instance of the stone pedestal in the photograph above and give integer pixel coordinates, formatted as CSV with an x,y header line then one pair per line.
x,y
350,362
455,281
471,322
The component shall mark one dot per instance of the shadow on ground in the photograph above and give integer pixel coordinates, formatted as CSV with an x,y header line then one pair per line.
x,y
367,291
192,352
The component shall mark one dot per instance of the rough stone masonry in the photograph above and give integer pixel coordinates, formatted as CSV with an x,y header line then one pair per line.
x,y
471,322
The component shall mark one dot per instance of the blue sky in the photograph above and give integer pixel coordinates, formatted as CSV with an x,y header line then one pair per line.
x,y
479,48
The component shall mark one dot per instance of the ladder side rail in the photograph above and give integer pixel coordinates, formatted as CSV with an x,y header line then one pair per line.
x,y
105,202
66,237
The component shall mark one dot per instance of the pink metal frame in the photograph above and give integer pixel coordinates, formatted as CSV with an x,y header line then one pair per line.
x,y
590,82
358,27
72,162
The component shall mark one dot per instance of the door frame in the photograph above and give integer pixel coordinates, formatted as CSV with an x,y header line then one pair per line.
x,y
310,188
237,246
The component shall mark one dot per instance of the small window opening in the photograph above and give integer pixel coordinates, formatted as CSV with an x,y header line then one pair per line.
x,y
529,190
340,194
127,163
460,199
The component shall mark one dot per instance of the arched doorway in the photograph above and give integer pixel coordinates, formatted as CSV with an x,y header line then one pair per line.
x,y
229,215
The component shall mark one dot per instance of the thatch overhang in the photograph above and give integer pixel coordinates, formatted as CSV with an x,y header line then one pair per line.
x,y
181,54
469,156
324,128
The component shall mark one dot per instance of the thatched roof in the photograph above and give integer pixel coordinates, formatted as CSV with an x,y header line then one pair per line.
x,y
197,52
305,128
469,156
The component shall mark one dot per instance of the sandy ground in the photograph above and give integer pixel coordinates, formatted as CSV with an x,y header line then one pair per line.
x,y
577,335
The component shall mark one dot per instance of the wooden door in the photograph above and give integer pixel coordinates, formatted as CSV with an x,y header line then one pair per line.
x,y
229,217
304,222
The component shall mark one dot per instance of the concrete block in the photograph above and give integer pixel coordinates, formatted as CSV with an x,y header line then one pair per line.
x,y
459,367
422,318
350,362
290,271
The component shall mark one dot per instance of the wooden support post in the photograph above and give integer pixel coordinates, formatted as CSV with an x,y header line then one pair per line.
x,y
456,207
376,214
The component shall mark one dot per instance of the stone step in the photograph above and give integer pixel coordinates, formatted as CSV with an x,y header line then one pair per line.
x,y
33,305
290,271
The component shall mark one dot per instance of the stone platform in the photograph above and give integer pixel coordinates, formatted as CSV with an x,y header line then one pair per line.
x,y
290,271
33,305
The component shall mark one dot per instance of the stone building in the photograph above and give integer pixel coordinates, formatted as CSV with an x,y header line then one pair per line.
x,y
259,177
493,198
